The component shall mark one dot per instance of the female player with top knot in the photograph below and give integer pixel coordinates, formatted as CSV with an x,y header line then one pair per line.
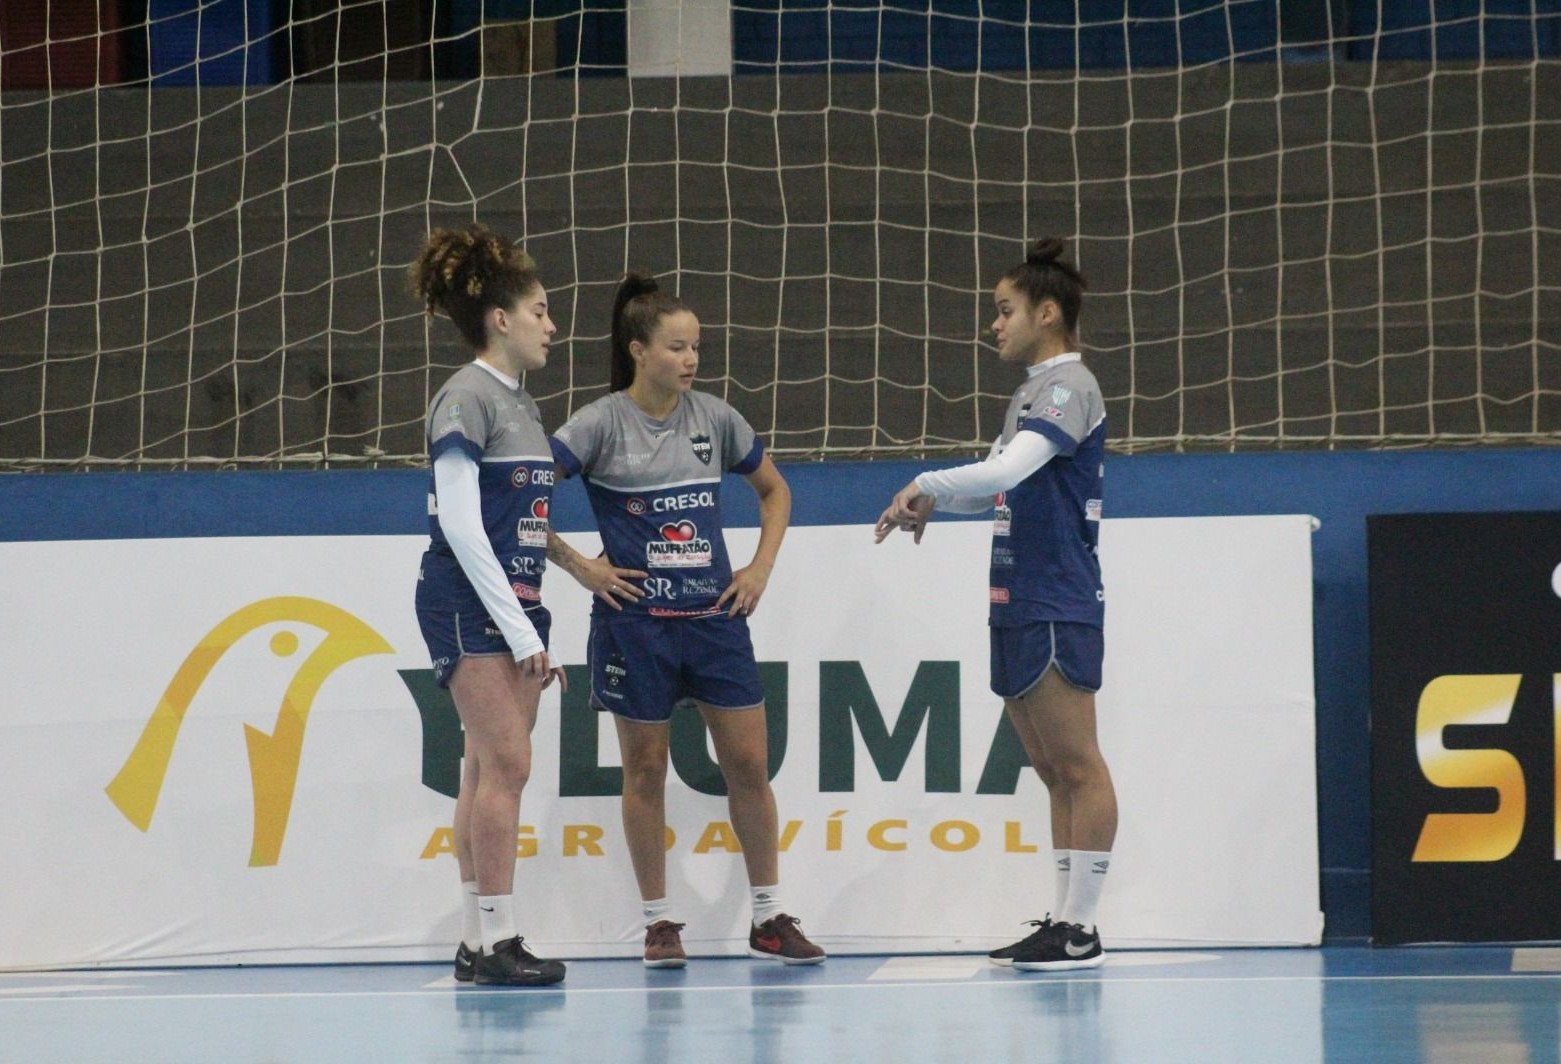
x,y
479,600
1044,477
652,453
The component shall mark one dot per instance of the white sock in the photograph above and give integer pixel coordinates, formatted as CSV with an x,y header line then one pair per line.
x,y
1085,880
656,910
1061,860
766,903
496,914
471,927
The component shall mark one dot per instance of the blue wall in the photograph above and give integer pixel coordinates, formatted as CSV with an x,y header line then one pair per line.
x,y
1338,488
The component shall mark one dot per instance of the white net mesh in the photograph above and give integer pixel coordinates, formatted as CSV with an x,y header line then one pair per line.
x,y
1338,233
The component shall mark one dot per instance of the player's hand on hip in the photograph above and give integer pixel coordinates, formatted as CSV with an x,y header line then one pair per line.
x,y
609,583
742,595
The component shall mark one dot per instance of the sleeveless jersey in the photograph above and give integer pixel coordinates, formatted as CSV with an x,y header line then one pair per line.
x,y
655,488
1045,565
500,428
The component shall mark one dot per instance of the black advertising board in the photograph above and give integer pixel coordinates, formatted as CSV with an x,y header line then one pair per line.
x,y
1465,654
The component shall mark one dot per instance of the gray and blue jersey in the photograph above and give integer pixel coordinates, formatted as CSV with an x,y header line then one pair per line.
x,y
499,428
655,488
1045,565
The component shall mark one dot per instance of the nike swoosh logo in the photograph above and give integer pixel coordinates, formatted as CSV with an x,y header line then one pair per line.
x,y
486,908
1078,951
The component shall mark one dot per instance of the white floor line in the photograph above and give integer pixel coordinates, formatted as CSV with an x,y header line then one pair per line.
x,y
911,969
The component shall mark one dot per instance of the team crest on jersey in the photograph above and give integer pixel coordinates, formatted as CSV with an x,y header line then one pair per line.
x,y
455,411
702,448
680,547
1061,395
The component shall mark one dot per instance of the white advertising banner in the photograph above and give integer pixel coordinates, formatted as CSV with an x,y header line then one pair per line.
x,y
219,750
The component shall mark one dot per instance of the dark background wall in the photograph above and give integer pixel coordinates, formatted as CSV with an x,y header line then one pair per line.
x,y
1331,234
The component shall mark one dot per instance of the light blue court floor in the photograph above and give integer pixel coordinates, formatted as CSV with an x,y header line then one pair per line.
x,y
1446,1004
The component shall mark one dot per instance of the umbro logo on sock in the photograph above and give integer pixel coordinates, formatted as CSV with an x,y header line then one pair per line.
x,y
1101,867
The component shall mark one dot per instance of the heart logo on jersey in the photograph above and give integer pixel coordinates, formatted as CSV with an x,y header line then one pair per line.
x,y
539,508
702,448
682,532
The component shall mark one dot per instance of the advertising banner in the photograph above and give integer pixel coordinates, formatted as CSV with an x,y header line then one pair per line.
x,y
232,749
1465,699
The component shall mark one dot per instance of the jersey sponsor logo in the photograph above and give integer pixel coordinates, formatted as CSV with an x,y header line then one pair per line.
x,y
997,594
455,411
702,448
680,547
635,506
538,477
532,531
1024,412
1092,509
688,500
540,507
526,592
664,611
658,587
1052,411
1002,516
525,565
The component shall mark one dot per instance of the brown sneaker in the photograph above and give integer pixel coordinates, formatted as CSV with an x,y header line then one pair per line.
x,y
663,946
779,938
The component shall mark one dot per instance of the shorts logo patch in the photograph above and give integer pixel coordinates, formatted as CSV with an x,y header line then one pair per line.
x,y
702,449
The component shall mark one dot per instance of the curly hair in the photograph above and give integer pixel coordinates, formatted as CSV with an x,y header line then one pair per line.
x,y
464,272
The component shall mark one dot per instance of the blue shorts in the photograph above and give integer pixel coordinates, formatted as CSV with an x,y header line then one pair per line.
x,y
455,625
643,667
1022,654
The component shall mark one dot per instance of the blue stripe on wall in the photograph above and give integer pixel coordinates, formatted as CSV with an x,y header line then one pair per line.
x,y
1338,488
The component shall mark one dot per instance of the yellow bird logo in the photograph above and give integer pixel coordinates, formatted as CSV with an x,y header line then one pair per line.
x,y
273,758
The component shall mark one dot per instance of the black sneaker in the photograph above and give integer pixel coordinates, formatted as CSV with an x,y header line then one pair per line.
x,y
465,962
1005,956
1062,948
511,964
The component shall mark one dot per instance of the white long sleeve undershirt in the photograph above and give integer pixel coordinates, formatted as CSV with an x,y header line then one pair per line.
x,y
971,488
460,519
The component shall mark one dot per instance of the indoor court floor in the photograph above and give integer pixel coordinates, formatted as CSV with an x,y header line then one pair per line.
x,y
1342,1003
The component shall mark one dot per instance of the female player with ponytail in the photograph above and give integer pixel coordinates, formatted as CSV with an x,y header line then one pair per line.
x,y
479,600
651,454
1044,477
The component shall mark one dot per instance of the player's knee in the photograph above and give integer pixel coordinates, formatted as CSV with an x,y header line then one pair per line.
x,y
510,769
644,775
746,772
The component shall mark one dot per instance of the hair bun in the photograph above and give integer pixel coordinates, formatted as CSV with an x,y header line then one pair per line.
x,y
636,283
1045,251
